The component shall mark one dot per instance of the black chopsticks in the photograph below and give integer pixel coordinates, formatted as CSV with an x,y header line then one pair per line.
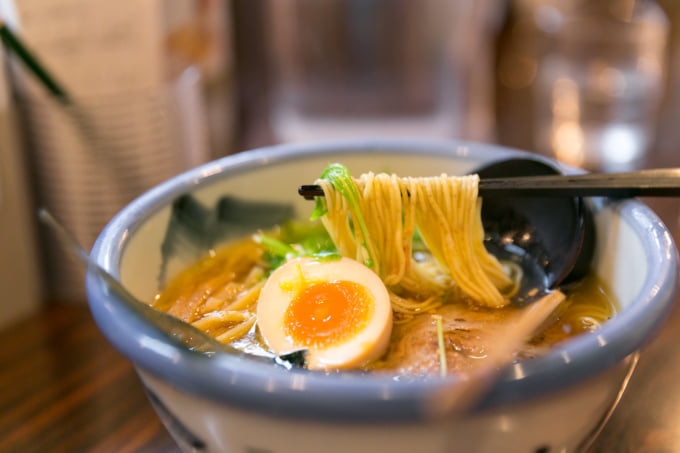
x,y
662,182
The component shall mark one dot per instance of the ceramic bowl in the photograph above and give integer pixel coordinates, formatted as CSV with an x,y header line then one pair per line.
x,y
226,403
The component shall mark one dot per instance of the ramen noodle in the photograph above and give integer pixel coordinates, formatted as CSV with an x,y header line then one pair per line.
x,y
446,212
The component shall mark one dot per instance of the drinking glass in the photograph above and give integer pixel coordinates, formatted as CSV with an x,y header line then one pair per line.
x,y
380,67
600,84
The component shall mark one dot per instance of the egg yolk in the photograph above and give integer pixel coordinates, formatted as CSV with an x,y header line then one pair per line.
x,y
326,313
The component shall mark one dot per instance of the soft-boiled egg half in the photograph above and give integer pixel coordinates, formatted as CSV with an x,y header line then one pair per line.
x,y
338,310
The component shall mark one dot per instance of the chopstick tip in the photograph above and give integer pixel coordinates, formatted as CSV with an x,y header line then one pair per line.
x,y
309,191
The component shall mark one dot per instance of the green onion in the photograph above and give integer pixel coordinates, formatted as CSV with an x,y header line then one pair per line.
x,y
296,239
340,178
440,343
274,246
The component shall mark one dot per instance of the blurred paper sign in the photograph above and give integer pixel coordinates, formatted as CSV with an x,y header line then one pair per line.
x,y
125,66
20,277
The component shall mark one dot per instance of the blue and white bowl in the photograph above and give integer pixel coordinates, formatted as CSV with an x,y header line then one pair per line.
x,y
554,403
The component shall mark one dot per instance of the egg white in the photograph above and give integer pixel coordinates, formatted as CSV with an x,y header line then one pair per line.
x,y
353,351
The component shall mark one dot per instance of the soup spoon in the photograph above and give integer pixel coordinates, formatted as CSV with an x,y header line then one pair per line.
x,y
174,329
551,239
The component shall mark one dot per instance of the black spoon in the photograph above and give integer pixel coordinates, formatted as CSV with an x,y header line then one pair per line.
x,y
551,239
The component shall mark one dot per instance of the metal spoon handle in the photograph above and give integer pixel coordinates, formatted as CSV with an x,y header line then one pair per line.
x,y
174,328
664,182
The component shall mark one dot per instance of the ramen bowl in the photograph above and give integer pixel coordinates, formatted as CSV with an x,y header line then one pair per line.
x,y
224,402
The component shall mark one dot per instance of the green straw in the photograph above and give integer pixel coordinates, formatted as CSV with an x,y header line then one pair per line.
x,y
14,44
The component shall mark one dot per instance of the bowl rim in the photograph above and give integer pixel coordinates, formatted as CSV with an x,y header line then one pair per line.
x,y
350,397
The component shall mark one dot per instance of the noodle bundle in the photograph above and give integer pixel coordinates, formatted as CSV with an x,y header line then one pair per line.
x,y
219,295
444,210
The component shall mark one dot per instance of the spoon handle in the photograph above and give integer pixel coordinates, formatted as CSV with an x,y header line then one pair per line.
x,y
663,182
185,333
460,395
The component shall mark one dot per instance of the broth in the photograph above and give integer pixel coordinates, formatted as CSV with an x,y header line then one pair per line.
x,y
219,294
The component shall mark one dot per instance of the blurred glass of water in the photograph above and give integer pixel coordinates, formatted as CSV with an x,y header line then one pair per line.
x,y
600,84
380,67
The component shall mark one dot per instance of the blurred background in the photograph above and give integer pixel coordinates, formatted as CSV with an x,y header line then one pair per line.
x,y
149,89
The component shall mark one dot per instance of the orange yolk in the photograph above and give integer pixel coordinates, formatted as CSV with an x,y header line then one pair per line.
x,y
326,313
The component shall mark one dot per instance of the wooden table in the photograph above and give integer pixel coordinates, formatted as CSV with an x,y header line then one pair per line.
x,y
64,389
